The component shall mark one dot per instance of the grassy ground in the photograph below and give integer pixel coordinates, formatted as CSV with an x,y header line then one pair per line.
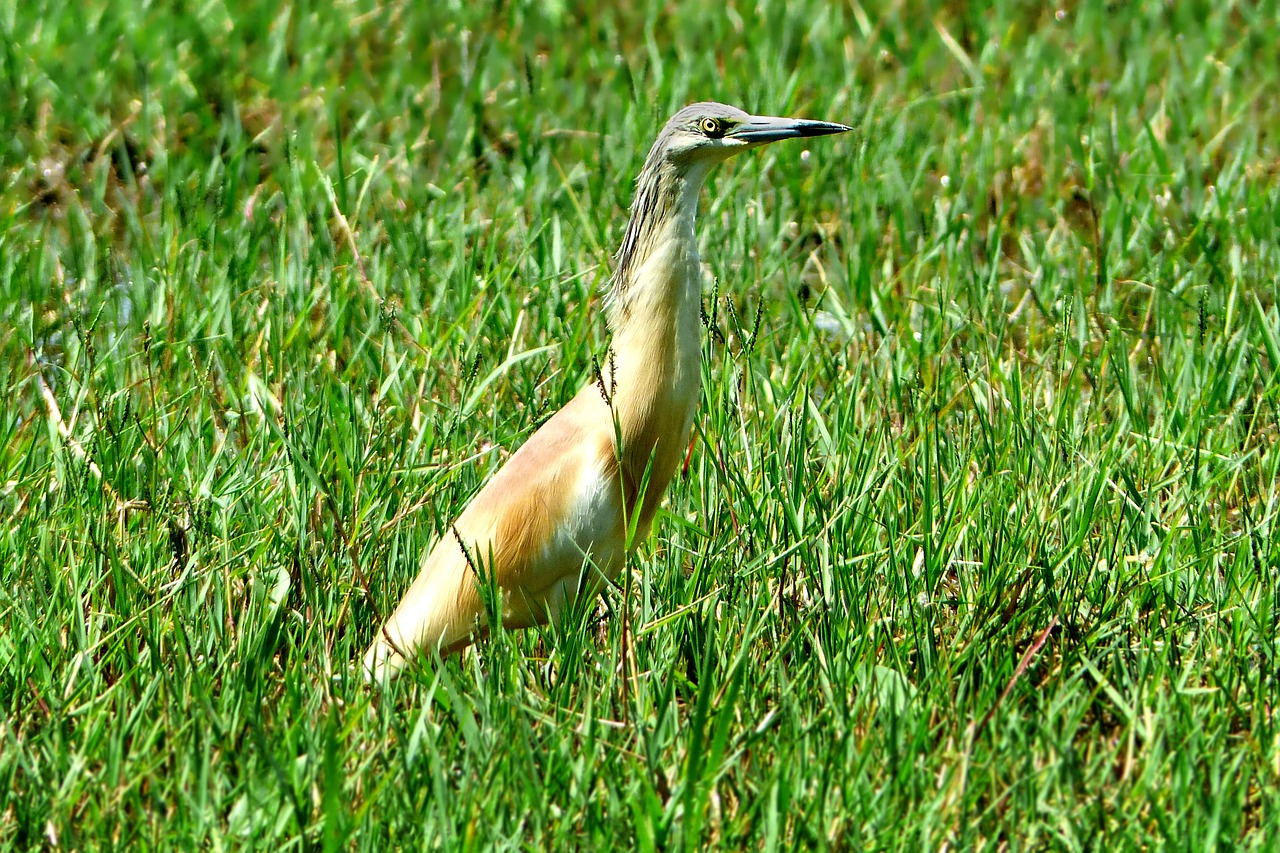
x,y
977,547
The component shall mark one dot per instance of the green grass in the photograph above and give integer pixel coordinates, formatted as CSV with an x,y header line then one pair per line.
x,y
977,547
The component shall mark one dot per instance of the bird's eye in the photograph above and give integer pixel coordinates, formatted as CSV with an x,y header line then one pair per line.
x,y
711,128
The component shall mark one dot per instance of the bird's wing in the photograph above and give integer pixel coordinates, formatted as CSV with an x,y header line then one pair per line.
x,y
527,532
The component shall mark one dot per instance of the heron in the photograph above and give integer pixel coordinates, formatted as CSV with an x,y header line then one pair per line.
x,y
559,516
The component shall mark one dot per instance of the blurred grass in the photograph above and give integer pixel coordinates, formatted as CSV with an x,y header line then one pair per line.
x,y
977,545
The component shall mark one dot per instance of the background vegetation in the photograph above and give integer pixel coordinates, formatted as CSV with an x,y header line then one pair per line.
x,y
977,545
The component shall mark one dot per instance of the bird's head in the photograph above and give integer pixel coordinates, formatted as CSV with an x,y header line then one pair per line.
x,y
707,133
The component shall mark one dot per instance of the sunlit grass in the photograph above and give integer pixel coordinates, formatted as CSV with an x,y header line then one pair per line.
x,y
977,542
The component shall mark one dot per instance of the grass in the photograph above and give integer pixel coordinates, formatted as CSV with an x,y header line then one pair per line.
x,y
977,545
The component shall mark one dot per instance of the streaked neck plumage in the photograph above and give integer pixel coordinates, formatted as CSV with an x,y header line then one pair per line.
x,y
665,208
654,371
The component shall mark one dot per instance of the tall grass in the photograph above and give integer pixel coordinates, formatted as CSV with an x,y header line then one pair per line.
x,y
976,546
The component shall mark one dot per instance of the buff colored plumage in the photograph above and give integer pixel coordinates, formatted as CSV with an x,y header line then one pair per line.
x,y
553,520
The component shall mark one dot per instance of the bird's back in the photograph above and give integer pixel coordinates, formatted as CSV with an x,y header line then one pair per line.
x,y
555,506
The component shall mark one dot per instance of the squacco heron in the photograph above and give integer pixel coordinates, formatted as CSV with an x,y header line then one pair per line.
x,y
557,519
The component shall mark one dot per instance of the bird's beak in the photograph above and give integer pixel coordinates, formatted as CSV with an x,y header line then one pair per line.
x,y
761,129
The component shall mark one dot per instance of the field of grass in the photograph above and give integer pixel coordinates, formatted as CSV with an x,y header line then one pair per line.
x,y
977,547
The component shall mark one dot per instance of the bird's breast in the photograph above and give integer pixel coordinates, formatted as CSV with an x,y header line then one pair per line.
x,y
654,378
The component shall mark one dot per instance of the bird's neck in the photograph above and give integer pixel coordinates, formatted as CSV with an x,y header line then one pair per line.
x,y
652,380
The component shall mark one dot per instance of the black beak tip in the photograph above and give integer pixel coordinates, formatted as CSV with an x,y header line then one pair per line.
x,y
821,128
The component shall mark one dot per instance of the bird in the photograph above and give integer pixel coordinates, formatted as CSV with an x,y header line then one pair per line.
x,y
558,517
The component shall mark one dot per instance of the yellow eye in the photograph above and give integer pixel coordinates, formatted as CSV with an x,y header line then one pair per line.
x,y
711,127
